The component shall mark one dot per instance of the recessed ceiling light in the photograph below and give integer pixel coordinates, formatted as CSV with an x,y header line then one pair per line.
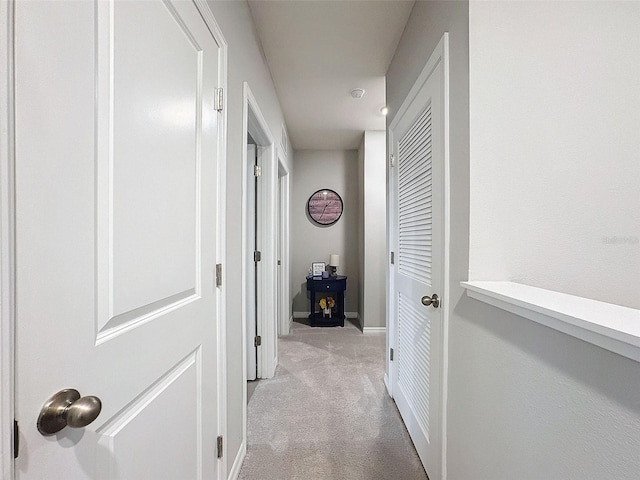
x,y
357,93
384,110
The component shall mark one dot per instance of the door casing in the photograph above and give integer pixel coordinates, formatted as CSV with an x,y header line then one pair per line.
x,y
440,54
284,317
255,125
7,216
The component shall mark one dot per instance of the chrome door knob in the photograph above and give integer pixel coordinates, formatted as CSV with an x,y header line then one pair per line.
x,y
433,300
67,408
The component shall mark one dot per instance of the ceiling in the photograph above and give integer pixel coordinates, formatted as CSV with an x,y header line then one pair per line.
x,y
318,51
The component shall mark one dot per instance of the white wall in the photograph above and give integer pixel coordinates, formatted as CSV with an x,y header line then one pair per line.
x,y
525,402
373,244
338,171
246,63
555,146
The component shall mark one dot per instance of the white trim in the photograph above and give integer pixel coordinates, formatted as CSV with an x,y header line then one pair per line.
x,y
221,249
237,463
387,383
392,246
284,188
360,322
371,330
612,327
7,246
446,313
440,53
243,261
284,140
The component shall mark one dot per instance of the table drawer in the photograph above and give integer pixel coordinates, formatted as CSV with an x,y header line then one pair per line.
x,y
327,285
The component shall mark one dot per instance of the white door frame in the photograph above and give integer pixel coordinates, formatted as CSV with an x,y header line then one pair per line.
x,y
254,123
7,232
7,248
284,307
440,53
221,227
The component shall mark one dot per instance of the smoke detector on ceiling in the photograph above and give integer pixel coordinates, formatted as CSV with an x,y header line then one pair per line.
x,y
357,93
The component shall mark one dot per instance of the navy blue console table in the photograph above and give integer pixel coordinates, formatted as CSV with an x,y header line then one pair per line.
x,y
322,288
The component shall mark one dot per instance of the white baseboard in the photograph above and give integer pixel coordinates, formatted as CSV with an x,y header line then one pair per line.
x,y
386,383
237,463
374,330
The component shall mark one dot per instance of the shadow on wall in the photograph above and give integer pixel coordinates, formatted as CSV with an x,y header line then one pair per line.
x,y
302,296
511,336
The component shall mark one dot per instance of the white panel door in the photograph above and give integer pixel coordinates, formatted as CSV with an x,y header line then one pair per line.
x,y
418,146
252,278
116,188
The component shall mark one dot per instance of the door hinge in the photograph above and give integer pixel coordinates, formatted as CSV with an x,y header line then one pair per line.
x,y
218,275
16,439
257,256
257,341
218,99
257,170
393,258
391,354
279,263
392,160
219,444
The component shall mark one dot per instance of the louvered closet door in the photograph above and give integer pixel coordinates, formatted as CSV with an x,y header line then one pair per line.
x,y
418,147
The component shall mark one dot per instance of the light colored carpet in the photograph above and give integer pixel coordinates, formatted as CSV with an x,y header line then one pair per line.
x,y
326,414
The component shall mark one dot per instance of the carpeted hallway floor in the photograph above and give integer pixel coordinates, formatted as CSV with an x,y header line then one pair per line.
x,y
326,414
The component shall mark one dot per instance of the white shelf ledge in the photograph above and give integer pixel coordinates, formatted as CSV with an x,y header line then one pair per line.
x,y
606,325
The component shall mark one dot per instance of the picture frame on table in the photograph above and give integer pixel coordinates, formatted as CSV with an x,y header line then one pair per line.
x,y
317,268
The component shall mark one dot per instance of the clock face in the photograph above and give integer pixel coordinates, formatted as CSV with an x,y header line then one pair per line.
x,y
325,207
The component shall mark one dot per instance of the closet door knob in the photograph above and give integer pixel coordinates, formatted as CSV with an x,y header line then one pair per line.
x,y
434,300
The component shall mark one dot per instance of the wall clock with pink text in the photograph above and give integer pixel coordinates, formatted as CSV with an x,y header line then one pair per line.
x,y
325,207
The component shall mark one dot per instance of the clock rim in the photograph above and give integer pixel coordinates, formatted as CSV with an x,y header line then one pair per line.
x,y
341,206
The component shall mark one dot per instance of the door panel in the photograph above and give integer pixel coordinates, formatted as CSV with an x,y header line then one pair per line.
x,y
116,188
179,448
418,144
154,137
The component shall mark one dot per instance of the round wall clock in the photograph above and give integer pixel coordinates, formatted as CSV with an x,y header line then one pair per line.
x,y
325,207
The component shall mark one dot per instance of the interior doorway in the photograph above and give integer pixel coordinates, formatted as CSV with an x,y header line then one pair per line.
x,y
259,247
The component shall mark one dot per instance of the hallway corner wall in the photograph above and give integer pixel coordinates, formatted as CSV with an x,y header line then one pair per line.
x,y
338,171
373,230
